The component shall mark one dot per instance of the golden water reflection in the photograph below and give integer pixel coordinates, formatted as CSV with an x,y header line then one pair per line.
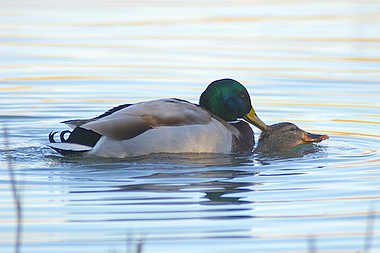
x,y
315,63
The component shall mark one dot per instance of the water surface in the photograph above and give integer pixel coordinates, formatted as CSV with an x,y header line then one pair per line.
x,y
314,63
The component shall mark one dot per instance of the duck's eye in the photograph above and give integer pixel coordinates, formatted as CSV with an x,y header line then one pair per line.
x,y
242,96
293,129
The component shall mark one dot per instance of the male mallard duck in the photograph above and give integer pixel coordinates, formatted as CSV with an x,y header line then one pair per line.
x,y
283,136
168,126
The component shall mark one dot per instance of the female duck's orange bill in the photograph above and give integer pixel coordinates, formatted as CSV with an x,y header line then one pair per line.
x,y
309,137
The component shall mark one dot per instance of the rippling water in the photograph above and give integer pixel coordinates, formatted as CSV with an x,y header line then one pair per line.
x,y
314,63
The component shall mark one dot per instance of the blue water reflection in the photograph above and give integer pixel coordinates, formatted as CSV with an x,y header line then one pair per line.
x,y
313,63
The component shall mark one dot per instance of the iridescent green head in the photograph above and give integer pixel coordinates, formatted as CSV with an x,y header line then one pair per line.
x,y
229,100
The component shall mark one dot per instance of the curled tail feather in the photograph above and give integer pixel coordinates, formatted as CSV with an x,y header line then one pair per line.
x,y
80,140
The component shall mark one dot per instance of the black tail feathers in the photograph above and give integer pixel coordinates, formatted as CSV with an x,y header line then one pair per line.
x,y
78,136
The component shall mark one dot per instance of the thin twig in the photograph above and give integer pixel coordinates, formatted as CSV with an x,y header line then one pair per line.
x,y
139,246
311,241
16,195
129,242
369,229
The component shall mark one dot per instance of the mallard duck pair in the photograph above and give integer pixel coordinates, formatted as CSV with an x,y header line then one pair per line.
x,y
219,124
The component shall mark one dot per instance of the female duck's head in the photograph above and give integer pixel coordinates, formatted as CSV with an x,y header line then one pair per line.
x,y
229,100
282,136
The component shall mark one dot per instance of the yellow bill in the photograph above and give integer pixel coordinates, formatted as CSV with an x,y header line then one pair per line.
x,y
252,118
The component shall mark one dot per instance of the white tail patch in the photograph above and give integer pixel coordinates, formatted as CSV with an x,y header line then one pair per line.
x,y
69,147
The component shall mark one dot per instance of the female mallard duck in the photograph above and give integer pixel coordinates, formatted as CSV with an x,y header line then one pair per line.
x,y
283,136
168,126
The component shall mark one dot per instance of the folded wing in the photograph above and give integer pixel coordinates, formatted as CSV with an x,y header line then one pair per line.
x,y
127,121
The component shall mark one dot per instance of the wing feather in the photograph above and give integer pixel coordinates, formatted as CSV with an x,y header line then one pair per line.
x,y
128,122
